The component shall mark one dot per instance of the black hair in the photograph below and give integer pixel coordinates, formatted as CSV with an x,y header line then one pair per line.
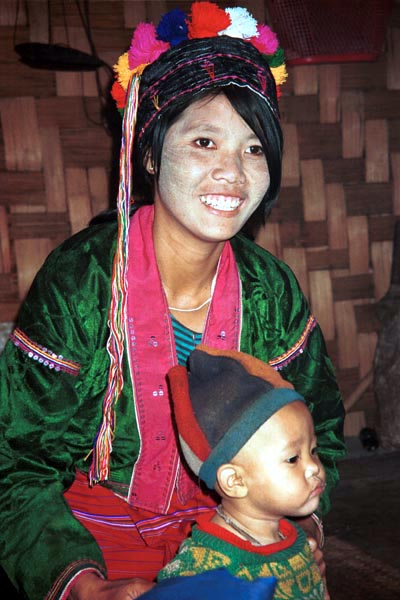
x,y
253,110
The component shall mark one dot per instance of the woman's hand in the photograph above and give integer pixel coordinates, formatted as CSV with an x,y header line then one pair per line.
x,y
90,585
319,559
315,540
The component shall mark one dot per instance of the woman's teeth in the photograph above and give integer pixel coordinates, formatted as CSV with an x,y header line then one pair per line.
x,y
220,202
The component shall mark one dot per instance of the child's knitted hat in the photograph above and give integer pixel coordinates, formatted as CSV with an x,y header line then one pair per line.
x,y
220,402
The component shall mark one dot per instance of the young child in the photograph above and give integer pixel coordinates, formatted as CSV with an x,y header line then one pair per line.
x,y
246,433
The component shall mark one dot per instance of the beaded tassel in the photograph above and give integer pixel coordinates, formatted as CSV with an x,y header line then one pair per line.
x,y
99,469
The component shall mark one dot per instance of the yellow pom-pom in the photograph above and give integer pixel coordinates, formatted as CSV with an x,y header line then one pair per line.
x,y
139,70
280,74
123,71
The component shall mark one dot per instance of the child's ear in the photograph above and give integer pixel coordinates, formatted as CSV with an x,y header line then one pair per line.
x,y
231,481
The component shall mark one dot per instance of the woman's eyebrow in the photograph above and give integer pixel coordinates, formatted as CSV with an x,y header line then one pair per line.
x,y
211,128
201,124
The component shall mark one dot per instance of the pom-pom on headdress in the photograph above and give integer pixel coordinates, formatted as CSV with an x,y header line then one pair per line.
x,y
205,20
185,54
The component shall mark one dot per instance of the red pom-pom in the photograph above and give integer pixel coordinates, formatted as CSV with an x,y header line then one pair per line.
x,y
119,94
207,19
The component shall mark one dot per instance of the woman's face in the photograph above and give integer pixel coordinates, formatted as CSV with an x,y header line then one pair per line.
x,y
213,173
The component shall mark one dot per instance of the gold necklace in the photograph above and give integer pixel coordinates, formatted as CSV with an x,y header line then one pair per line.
x,y
191,309
203,304
247,536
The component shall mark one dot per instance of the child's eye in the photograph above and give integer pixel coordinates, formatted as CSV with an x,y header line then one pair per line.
x,y
315,451
204,143
292,460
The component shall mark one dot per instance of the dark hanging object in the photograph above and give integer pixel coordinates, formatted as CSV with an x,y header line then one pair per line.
x,y
57,57
60,57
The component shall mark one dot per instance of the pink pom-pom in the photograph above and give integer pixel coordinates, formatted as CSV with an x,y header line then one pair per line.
x,y
266,42
145,47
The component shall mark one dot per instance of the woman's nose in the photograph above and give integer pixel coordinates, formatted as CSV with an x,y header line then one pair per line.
x,y
229,167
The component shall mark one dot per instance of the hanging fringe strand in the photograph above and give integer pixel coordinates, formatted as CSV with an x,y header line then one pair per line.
x,y
99,469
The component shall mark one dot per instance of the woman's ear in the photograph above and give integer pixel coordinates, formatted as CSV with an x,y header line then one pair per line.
x,y
231,481
149,164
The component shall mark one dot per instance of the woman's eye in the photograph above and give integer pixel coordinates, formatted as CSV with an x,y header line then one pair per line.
x,y
315,451
255,150
204,143
292,460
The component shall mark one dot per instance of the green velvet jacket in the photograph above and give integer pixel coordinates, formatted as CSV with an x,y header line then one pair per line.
x,y
49,416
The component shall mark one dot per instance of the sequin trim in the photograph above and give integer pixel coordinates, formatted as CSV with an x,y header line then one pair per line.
x,y
62,586
43,355
284,359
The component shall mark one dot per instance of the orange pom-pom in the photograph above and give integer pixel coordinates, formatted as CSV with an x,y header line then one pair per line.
x,y
119,94
207,19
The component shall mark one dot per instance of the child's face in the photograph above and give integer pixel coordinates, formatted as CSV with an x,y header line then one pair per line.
x,y
283,473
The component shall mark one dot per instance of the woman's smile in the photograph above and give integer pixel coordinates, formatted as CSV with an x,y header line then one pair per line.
x,y
221,202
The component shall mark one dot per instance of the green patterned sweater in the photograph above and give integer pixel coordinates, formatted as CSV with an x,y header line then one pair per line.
x,y
290,561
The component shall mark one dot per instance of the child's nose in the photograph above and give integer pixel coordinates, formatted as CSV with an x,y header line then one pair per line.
x,y
313,466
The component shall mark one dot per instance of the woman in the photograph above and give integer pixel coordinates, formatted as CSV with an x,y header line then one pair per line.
x,y
88,358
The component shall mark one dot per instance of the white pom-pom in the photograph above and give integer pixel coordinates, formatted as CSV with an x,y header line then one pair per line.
x,y
243,24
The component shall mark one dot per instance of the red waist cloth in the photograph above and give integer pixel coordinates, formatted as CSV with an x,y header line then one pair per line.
x,y
134,542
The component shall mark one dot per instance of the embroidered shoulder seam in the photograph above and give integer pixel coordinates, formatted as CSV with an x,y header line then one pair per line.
x,y
284,359
43,355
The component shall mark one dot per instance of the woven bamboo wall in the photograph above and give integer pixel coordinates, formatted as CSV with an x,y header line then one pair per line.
x,y
340,197
335,220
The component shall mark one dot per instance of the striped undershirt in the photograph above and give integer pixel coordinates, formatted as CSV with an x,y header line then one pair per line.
x,y
185,341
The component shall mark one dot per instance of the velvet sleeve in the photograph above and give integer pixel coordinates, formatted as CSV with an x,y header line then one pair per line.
x,y
53,376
